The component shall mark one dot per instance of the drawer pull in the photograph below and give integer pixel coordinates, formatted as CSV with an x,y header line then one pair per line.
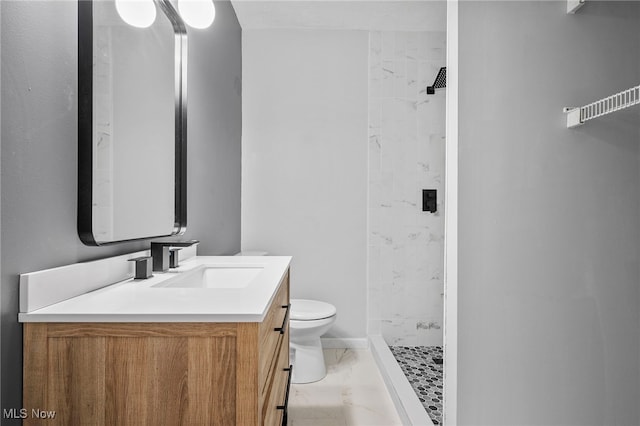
x,y
286,396
282,328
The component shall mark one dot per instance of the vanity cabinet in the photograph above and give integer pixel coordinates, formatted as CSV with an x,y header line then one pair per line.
x,y
162,373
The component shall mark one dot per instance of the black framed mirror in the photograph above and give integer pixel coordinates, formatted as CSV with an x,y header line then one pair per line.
x,y
132,124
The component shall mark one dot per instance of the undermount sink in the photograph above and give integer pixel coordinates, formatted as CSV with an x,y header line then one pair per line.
x,y
214,276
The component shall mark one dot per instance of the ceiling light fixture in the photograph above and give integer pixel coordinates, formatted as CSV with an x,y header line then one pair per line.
x,y
137,13
142,13
197,13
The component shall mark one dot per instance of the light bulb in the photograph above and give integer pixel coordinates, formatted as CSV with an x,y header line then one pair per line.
x,y
197,13
137,13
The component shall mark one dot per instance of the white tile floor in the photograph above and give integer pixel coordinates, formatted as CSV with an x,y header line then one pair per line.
x,y
352,394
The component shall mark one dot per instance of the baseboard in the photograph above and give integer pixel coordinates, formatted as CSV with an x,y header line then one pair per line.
x,y
409,407
340,343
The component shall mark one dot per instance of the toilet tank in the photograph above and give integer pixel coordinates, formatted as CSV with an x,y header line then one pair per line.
x,y
252,253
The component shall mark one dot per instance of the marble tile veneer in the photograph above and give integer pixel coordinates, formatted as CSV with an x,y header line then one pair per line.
x,y
406,155
352,394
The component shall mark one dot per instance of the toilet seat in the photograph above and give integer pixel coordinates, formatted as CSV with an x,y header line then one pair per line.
x,y
310,310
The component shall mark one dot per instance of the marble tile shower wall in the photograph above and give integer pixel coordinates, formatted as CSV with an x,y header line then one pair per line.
x,y
103,162
406,155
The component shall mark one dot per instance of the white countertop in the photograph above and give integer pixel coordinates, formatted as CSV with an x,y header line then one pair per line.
x,y
138,301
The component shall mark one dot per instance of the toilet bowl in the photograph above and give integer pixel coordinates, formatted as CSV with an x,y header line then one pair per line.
x,y
308,320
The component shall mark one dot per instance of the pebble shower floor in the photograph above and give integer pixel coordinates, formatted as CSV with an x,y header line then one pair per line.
x,y
425,376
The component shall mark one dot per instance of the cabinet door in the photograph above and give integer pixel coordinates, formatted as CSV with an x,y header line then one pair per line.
x,y
131,374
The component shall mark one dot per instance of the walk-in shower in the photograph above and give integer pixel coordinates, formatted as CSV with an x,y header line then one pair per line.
x,y
405,239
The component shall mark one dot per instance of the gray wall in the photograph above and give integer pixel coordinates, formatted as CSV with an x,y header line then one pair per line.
x,y
549,219
304,163
39,151
0,218
214,134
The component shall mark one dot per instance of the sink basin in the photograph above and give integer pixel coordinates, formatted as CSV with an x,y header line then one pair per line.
x,y
210,276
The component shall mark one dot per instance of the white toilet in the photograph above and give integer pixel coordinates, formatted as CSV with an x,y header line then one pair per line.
x,y
308,320
252,253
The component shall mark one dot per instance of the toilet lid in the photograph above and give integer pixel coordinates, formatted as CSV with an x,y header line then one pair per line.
x,y
306,310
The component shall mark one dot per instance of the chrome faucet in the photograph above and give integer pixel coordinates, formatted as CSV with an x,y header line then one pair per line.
x,y
160,253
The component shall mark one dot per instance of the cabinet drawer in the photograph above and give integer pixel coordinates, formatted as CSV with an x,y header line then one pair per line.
x,y
272,332
276,405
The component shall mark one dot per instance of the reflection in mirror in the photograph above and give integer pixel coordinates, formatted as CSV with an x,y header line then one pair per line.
x,y
132,131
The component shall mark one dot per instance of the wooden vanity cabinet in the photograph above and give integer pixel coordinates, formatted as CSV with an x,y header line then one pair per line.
x,y
160,373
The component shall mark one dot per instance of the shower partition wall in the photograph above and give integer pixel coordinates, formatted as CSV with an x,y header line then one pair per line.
x,y
406,155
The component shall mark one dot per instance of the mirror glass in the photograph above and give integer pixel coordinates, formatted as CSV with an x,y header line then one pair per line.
x,y
132,132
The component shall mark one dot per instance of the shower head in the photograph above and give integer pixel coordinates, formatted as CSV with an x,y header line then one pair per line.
x,y
439,83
